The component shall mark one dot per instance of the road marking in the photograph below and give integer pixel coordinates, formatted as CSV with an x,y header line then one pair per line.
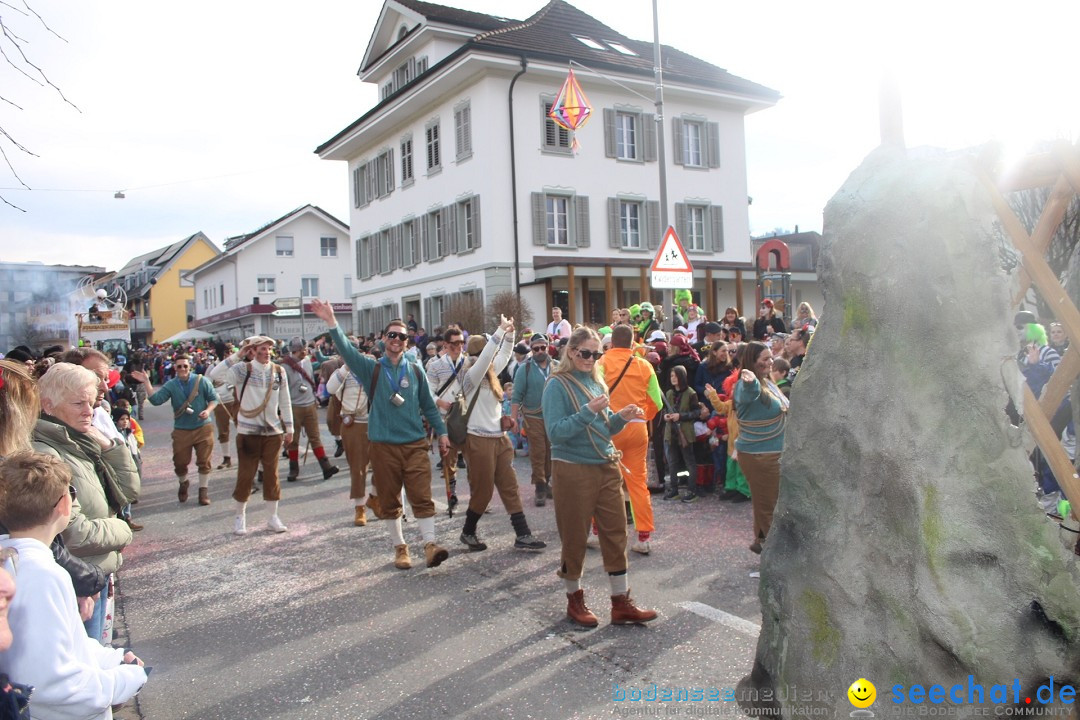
x,y
732,621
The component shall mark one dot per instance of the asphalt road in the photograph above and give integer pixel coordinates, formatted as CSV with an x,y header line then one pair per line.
x,y
317,623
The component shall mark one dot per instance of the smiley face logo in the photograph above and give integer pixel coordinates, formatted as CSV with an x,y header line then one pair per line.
x,y
862,693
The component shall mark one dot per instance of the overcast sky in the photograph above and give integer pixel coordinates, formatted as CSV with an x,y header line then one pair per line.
x,y
206,114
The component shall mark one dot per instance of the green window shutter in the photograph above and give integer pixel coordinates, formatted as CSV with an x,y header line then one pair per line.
x,y
609,133
539,219
716,219
652,223
614,240
677,141
681,224
712,135
581,229
648,133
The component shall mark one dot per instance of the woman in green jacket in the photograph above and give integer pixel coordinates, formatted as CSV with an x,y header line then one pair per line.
x,y
586,478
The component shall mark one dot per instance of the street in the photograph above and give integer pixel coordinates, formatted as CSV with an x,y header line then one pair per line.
x,y
317,623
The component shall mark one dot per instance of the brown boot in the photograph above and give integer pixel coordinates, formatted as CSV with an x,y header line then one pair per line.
x,y
402,561
625,612
328,469
577,612
204,496
226,463
373,504
435,555
181,494
361,516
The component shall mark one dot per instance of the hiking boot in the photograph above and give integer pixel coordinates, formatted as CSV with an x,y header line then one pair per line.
x,y
578,612
360,517
755,547
339,449
275,524
529,543
181,494
294,471
328,470
373,505
204,496
739,498
689,497
472,542
461,461
402,561
671,493
435,555
226,463
547,489
135,527
240,525
641,547
625,612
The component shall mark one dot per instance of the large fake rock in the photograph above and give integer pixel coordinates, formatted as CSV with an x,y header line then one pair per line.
x,y
907,547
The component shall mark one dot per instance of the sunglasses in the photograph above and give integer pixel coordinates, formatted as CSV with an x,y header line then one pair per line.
x,y
182,367
456,342
394,335
590,354
539,348
71,491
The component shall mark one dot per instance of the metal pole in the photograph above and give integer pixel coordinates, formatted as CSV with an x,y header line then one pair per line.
x,y
303,315
661,155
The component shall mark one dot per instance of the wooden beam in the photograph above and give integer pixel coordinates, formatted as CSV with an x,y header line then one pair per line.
x,y
1049,221
1050,444
739,298
644,283
610,299
1060,382
571,294
710,296
585,318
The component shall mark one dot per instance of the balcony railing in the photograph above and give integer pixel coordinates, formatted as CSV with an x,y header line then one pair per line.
x,y
142,325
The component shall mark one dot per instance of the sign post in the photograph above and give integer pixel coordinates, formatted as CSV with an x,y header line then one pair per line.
x,y
671,269
287,303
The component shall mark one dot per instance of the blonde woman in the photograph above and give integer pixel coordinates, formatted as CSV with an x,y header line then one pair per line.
x,y
805,316
585,476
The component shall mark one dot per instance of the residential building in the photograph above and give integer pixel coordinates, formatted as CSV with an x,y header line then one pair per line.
x,y
160,303
38,303
453,196
305,254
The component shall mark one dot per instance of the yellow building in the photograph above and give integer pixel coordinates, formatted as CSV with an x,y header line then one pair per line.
x,y
160,304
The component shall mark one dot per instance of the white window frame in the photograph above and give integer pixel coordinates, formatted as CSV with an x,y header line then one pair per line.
x,y
463,131
309,283
554,138
384,173
627,149
467,228
280,249
432,146
696,229
328,246
693,150
631,212
266,284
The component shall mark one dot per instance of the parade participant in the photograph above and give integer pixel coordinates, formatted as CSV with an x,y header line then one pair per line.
x,y
527,411
762,411
768,322
732,319
648,324
398,446
444,376
559,327
193,399
632,381
350,395
262,393
588,483
304,410
487,449
680,411
225,410
72,675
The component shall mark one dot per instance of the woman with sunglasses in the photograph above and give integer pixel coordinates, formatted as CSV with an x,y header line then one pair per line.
x,y
586,478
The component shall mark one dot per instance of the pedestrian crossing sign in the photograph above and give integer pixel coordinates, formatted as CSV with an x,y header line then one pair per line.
x,y
671,267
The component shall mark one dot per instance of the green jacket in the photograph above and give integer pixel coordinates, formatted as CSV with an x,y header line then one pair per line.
x,y
687,407
94,533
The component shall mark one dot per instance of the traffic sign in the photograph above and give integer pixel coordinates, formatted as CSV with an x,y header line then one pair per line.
x,y
671,268
288,312
287,303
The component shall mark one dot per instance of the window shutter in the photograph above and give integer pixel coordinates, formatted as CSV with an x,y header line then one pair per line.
x,y
356,187
581,229
712,135
417,240
369,182
359,260
539,211
609,133
395,247
426,225
476,220
648,133
613,223
677,140
450,214
426,320
652,223
681,223
459,131
389,171
716,217
468,129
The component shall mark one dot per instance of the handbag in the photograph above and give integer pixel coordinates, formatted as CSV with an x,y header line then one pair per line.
x,y
457,420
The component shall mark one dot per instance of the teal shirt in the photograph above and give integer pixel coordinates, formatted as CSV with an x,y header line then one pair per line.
x,y
178,392
387,422
579,436
529,380
761,426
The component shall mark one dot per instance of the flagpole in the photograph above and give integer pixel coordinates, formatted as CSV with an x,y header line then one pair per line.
x,y
658,74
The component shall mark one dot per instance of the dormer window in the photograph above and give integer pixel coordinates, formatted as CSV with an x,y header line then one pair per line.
x,y
620,48
589,42
402,32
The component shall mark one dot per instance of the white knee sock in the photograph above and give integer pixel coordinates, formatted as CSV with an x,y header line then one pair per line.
x,y
618,584
272,505
572,586
241,509
427,529
359,501
204,481
395,533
